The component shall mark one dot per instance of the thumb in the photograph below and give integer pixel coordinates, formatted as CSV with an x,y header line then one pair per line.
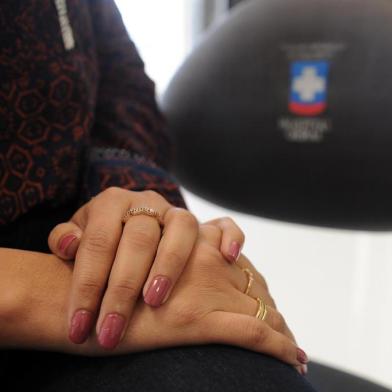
x,y
64,240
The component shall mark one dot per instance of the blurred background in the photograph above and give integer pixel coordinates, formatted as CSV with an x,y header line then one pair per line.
x,y
333,286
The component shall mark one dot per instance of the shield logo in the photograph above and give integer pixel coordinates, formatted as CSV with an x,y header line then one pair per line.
x,y
309,82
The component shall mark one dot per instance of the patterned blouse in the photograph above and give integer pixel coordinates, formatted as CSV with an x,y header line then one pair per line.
x,y
77,112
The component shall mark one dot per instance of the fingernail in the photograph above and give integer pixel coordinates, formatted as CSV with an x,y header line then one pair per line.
x,y
65,246
81,325
234,251
304,370
111,330
157,291
301,356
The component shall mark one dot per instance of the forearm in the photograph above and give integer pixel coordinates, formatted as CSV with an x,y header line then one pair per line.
x,y
33,296
34,292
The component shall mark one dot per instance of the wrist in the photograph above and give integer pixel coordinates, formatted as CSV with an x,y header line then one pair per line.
x,y
34,289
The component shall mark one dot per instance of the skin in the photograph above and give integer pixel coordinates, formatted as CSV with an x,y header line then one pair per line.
x,y
207,305
115,264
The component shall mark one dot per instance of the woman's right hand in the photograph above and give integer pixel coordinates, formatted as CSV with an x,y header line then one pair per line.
x,y
208,305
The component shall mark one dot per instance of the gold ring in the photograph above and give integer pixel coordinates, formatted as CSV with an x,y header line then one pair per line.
x,y
142,211
249,273
261,310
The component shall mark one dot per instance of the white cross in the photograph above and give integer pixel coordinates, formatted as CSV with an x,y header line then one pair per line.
x,y
309,84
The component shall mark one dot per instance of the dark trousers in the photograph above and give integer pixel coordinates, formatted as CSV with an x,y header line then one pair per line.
x,y
194,368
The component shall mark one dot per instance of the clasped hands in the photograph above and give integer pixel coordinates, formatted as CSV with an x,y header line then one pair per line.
x,y
144,286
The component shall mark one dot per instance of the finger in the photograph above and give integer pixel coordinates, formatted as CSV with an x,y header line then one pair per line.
x,y
94,260
243,262
274,318
64,240
278,324
247,281
233,238
176,245
135,254
257,290
244,304
211,234
253,334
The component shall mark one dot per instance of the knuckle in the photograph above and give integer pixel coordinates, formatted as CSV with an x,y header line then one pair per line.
x,y
89,288
206,254
241,235
229,221
257,334
277,321
151,195
99,240
211,231
273,303
124,290
174,259
285,350
113,191
186,314
263,281
264,285
184,216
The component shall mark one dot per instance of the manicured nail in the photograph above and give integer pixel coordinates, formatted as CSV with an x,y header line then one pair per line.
x,y
68,245
234,251
81,325
157,291
304,370
301,356
111,331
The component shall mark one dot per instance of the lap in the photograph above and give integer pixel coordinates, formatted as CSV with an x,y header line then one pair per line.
x,y
194,368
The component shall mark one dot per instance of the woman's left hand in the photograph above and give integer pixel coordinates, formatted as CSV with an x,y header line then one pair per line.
x,y
114,264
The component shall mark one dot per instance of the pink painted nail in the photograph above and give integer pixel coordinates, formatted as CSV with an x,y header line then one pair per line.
x,y
234,251
304,370
81,325
67,245
157,291
301,356
111,331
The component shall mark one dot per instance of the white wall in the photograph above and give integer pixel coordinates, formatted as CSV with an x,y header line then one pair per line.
x,y
163,31
333,286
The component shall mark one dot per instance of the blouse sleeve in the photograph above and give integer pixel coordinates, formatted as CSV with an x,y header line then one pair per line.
x,y
129,146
